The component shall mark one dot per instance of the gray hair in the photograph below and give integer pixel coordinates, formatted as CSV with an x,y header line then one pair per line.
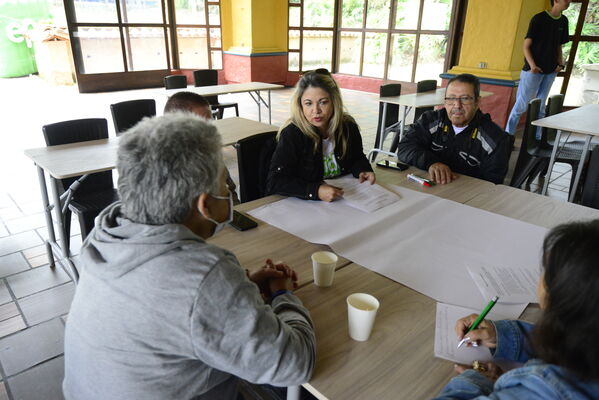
x,y
164,164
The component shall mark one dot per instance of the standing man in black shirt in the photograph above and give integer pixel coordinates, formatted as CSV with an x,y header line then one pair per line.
x,y
543,59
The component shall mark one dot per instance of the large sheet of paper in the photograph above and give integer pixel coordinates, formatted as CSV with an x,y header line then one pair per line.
x,y
363,196
510,284
421,241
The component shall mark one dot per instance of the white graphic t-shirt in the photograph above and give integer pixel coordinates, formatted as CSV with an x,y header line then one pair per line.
x,y
331,168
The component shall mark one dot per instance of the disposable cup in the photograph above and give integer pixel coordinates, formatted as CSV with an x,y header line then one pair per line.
x,y
323,267
361,312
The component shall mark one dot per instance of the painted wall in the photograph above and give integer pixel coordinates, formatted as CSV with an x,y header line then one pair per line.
x,y
494,33
236,24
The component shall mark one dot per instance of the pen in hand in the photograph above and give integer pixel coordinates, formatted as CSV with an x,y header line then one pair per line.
x,y
478,320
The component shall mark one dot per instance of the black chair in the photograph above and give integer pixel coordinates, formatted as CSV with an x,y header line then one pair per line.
x,y
128,113
530,155
424,86
209,77
175,82
253,160
391,117
96,191
590,189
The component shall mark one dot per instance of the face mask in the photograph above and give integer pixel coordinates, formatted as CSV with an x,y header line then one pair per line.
x,y
221,225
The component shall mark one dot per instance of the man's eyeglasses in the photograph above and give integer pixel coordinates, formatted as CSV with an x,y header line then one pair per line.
x,y
466,100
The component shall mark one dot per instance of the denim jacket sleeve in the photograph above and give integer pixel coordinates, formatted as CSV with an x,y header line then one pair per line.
x,y
512,340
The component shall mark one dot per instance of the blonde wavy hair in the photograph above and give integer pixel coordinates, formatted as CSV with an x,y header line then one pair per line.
x,y
338,131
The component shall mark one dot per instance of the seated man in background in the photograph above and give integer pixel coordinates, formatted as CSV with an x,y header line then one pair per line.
x,y
198,105
158,312
458,138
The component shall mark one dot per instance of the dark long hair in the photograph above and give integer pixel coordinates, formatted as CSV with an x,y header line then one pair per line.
x,y
566,334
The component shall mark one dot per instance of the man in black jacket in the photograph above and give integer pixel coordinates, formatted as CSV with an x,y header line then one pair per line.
x,y
458,138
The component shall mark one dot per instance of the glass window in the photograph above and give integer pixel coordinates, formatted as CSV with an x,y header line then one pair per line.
x,y
217,59
352,14
214,15
190,12
100,49
349,53
591,21
147,49
402,57
141,11
374,54
317,50
294,39
294,16
377,14
406,14
431,57
192,46
293,64
94,11
436,15
319,13
215,37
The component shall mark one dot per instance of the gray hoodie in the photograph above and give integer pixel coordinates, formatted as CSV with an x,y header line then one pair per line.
x,y
161,314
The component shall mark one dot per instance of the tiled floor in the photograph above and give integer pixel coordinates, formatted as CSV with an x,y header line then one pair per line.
x,y
35,299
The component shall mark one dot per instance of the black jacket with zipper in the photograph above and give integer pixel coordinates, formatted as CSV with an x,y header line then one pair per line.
x,y
481,150
297,170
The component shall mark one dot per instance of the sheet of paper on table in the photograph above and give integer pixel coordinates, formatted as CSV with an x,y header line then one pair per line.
x,y
363,196
446,341
422,241
510,284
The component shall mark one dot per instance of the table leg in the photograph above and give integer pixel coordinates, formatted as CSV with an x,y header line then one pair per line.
x,y
48,213
62,236
259,106
551,161
583,157
402,124
293,393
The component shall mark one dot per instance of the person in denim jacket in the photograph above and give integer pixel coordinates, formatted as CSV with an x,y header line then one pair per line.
x,y
560,354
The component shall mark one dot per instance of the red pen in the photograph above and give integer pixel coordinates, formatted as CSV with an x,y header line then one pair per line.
x,y
417,179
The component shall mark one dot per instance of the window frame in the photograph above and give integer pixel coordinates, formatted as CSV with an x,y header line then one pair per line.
x,y
129,78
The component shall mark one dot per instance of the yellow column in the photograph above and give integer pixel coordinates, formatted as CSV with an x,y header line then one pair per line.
x,y
494,33
254,26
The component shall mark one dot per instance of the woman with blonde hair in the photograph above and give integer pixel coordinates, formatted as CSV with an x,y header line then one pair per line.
x,y
318,142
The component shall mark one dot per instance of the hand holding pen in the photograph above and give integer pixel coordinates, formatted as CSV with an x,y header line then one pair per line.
x,y
474,330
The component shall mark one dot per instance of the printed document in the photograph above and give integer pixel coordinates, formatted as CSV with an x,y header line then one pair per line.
x,y
363,196
510,284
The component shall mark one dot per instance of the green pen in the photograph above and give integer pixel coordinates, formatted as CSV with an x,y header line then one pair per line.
x,y
480,319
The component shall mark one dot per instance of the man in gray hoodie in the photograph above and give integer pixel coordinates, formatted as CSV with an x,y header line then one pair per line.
x,y
158,312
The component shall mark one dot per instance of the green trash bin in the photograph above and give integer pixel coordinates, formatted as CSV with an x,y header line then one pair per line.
x,y
16,50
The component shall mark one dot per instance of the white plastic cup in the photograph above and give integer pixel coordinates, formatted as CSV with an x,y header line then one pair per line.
x,y
323,267
361,312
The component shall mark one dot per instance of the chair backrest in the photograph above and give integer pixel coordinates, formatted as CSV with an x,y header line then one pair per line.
x,y
555,104
80,130
128,113
590,190
206,77
175,82
424,86
529,139
391,89
253,159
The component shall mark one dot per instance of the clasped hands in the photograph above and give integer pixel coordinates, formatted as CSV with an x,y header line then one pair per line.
x,y
273,277
484,335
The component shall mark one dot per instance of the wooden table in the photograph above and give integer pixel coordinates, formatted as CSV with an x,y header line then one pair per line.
x,y
408,102
83,158
398,360
252,88
583,120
